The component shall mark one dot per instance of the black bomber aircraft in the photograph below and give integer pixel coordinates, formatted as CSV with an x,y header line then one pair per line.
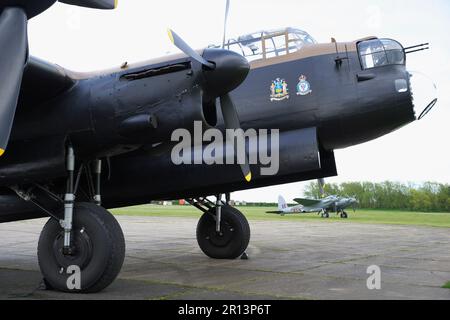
x,y
77,144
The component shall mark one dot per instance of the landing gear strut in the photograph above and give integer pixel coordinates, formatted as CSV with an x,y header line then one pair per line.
x,y
325,214
98,250
69,200
81,248
223,232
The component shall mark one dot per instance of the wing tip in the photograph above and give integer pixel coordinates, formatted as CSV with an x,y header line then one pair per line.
x,y
248,177
2,152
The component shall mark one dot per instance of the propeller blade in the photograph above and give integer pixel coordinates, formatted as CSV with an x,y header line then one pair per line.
x,y
231,119
183,46
227,11
13,56
321,187
94,4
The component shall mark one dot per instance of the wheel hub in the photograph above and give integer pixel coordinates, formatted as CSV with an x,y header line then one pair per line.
x,y
80,253
222,238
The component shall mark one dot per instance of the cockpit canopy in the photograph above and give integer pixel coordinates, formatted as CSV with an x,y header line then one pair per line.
x,y
269,44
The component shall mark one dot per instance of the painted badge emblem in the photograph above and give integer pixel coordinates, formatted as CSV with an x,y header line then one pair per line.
x,y
279,90
303,87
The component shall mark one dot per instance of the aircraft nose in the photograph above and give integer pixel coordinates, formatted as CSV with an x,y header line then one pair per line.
x,y
230,71
423,93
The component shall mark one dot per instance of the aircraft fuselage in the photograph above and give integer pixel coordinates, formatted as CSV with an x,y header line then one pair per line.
x,y
128,115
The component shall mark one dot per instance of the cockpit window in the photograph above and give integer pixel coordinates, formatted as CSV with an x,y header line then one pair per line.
x,y
380,52
270,44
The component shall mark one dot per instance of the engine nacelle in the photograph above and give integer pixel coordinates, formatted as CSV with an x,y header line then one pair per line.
x,y
151,174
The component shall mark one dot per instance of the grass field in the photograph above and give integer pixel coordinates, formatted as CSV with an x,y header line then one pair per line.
x,y
447,285
258,213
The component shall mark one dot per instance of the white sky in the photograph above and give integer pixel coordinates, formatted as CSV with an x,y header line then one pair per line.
x,y
85,40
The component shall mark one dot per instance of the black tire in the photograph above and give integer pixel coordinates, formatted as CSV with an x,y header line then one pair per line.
x,y
344,215
325,215
235,234
99,250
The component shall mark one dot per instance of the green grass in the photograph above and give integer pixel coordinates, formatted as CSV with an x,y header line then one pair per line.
x,y
447,285
258,213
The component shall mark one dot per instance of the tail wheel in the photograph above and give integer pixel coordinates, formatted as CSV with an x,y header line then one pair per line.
x,y
233,239
99,250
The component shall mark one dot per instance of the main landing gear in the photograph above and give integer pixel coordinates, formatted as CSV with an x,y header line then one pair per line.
x,y
97,251
344,215
82,247
325,214
223,232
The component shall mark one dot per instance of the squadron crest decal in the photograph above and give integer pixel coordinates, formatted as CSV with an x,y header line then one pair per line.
x,y
279,90
303,87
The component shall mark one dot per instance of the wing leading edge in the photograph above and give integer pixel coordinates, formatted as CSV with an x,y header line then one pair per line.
x,y
43,81
307,202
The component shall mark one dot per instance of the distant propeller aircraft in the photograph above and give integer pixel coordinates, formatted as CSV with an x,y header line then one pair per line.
x,y
77,144
323,205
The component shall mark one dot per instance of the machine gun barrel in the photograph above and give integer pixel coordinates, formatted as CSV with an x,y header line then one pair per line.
x,y
419,47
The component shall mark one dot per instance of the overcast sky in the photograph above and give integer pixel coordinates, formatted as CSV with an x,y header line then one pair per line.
x,y
85,40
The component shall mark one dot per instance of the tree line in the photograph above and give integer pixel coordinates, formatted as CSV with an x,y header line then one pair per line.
x,y
427,197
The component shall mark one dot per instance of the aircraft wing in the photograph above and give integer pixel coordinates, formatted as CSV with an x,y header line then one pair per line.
x,y
40,157
307,202
14,58
42,81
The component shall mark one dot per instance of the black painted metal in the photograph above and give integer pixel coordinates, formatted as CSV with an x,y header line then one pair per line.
x,y
14,45
31,7
90,113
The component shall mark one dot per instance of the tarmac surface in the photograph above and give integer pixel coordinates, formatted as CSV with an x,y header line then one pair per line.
x,y
287,260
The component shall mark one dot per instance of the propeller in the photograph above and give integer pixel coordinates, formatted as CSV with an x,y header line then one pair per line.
x,y
183,46
94,4
14,15
355,203
227,11
224,72
228,108
321,183
232,122
14,44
